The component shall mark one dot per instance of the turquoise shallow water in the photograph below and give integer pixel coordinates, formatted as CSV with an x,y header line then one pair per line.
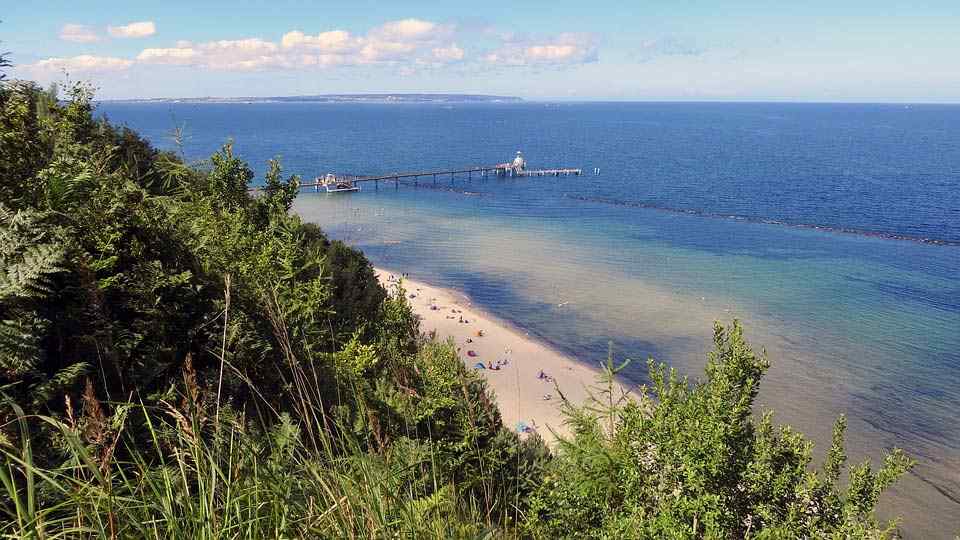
x,y
672,236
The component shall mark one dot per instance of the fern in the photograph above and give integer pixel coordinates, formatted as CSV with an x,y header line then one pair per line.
x,y
20,345
30,276
61,380
30,258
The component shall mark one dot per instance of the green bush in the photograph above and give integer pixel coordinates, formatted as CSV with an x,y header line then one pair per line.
x,y
688,461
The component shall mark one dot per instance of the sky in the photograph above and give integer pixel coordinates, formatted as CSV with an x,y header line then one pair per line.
x,y
738,50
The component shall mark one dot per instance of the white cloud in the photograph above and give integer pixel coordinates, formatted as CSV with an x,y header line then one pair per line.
x,y
183,54
133,30
81,64
564,49
405,43
243,54
405,40
408,30
453,53
667,46
402,42
551,53
78,33
238,55
334,41
386,51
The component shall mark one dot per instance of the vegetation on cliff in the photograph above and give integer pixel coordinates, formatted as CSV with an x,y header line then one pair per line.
x,y
181,359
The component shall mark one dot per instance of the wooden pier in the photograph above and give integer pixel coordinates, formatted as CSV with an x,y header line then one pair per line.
x,y
547,172
516,168
416,175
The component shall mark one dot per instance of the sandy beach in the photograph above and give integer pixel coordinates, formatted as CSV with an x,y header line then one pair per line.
x,y
520,370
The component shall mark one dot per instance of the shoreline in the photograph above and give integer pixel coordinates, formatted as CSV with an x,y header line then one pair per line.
x,y
513,359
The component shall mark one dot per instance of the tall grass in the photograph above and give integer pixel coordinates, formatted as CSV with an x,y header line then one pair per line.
x,y
222,481
193,467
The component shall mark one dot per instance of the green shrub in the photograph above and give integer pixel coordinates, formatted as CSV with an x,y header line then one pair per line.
x,y
688,461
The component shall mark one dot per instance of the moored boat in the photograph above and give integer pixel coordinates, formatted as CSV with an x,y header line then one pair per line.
x,y
333,184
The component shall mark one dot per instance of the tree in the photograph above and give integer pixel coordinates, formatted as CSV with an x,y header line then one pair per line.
x,y
279,193
229,179
4,63
690,461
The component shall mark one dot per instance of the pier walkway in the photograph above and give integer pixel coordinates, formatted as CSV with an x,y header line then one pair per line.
x,y
516,168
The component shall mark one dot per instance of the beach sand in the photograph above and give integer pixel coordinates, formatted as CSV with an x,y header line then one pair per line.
x,y
520,393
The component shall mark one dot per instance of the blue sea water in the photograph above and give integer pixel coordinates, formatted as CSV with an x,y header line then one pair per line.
x,y
832,231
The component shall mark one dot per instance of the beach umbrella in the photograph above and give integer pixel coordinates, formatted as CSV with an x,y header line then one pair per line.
x,y
479,365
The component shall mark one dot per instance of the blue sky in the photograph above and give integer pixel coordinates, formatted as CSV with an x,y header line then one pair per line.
x,y
847,50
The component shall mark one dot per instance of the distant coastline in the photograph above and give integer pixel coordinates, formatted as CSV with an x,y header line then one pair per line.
x,y
337,98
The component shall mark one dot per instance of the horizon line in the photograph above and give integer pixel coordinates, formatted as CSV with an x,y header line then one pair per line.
x,y
552,99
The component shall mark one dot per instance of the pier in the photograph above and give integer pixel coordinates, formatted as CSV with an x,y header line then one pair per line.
x,y
396,177
513,169
547,172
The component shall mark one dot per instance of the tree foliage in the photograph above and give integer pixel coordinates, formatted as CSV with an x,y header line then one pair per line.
x,y
131,278
692,460
4,63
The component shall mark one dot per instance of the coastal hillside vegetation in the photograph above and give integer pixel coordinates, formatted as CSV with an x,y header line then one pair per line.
x,y
180,358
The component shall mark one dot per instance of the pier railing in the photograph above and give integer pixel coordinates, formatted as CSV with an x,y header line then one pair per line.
x,y
482,172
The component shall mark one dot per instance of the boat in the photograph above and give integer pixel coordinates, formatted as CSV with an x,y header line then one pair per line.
x,y
336,185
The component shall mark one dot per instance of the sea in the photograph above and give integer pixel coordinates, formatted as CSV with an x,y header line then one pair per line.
x,y
832,231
